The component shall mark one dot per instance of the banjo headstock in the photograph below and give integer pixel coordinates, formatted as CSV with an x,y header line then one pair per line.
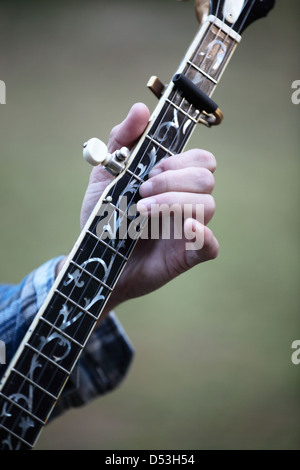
x,y
237,14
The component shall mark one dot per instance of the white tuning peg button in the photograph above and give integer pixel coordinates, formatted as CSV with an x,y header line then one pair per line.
x,y
95,152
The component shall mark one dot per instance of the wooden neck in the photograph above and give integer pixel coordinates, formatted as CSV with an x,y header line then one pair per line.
x,y
51,348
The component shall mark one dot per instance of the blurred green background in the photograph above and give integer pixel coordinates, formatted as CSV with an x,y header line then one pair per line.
x,y
213,363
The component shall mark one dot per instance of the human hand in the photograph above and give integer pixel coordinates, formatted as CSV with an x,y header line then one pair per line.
x,y
181,179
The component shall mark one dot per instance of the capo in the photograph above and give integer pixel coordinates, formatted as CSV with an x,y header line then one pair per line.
x,y
211,113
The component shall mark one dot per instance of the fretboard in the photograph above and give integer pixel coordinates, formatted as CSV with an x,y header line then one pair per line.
x,y
49,352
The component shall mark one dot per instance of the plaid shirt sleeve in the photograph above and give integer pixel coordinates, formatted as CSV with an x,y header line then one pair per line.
x,y
103,363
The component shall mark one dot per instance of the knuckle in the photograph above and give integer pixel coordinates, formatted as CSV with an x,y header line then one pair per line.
x,y
210,160
164,181
205,179
113,132
207,159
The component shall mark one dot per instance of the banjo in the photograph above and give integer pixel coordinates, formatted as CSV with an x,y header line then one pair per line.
x,y
35,378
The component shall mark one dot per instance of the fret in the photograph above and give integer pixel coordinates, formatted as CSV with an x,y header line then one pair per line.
x,y
29,395
22,409
200,80
91,275
65,335
202,72
149,154
37,367
159,145
229,31
24,377
182,111
6,441
80,287
20,423
54,346
104,266
22,388
123,213
70,319
140,180
39,353
173,129
116,229
77,305
214,53
107,245
120,188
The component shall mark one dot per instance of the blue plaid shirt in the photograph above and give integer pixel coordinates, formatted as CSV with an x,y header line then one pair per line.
x,y
103,363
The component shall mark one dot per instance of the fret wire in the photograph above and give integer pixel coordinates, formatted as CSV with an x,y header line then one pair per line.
x,y
202,72
117,209
56,328
200,46
134,176
27,379
159,145
183,101
16,435
168,103
124,214
91,275
198,50
48,358
220,32
40,421
107,245
76,305
182,111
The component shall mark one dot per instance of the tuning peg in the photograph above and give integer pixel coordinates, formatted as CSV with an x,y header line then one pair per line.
x,y
95,152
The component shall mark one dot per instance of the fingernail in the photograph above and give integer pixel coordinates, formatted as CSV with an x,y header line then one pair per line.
x,y
146,189
144,205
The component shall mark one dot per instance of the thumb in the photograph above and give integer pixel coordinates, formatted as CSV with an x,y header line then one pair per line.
x,y
126,133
